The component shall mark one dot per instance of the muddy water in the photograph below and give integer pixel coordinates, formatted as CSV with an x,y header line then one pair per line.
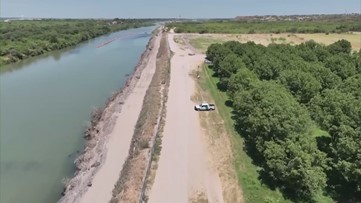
x,y
45,103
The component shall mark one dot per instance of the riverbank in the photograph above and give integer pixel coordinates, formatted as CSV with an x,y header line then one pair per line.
x,y
25,39
104,130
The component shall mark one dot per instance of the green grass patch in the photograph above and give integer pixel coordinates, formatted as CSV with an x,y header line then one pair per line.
x,y
317,132
202,43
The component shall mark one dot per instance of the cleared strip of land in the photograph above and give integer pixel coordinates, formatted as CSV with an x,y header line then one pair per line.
x,y
202,41
184,172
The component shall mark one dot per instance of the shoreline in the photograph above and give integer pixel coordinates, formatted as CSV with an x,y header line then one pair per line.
x,y
97,134
9,59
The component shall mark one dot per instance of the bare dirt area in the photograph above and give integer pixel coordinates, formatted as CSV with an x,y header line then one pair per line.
x,y
185,171
110,136
202,41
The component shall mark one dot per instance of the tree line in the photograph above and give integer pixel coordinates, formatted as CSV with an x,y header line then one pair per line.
x,y
279,93
27,38
338,25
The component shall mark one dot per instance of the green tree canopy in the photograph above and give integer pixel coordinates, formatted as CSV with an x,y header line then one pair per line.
x,y
340,114
241,81
325,76
352,85
268,67
301,84
341,65
341,46
228,66
290,161
268,111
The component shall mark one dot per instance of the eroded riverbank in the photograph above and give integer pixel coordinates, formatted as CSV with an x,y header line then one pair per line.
x,y
110,134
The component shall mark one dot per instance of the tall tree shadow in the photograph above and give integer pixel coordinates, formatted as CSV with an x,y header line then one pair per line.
x,y
221,87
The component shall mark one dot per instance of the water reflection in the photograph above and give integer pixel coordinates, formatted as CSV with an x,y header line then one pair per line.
x,y
56,55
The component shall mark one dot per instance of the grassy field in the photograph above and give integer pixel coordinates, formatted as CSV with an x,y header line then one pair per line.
x,y
202,41
254,190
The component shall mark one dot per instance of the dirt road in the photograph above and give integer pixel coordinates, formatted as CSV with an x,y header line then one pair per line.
x,y
184,173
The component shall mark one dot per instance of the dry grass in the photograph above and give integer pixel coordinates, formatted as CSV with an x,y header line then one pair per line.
x,y
355,39
199,198
219,145
202,41
130,183
178,39
164,62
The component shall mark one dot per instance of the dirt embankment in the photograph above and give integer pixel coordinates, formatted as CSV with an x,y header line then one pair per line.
x,y
103,121
131,184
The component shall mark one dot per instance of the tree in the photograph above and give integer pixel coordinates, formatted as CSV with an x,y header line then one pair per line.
x,y
340,114
341,46
357,58
268,67
352,85
341,65
274,90
277,126
325,76
301,84
241,81
306,51
321,53
250,52
334,108
216,53
212,51
228,66
268,111
235,46
297,164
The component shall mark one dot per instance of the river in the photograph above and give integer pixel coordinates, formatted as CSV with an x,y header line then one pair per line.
x,y
45,104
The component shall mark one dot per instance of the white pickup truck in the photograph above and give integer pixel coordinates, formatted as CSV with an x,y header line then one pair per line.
x,y
205,107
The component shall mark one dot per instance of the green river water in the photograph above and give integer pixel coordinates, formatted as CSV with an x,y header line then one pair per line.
x,y
45,104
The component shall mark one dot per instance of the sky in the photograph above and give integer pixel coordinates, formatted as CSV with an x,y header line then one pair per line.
x,y
171,8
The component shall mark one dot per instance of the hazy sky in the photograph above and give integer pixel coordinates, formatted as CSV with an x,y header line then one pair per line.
x,y
171,8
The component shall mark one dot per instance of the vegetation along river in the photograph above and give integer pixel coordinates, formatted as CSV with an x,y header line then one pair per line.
x,y
45,104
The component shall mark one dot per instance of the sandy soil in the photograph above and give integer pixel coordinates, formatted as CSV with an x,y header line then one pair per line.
x,y
184,171
100,164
